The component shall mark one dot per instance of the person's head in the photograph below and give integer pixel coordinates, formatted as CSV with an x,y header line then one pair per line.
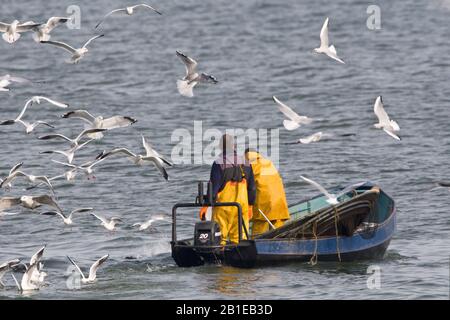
x,y
227,144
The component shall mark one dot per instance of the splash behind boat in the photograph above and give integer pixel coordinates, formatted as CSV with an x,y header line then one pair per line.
x,y
359,227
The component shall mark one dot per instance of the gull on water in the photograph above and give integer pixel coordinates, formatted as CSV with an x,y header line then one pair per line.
x,y
7,79
384,122
151,156
77,54
331,198
28,202
108,224
66,219
99,122
69,154
92,271
74,142
42,33
128,10
6,267
325,47
145,225
7,182
313,138
11,31
186,85
295,120
33,276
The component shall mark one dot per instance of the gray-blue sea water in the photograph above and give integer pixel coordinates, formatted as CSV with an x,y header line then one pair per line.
x,y
256,49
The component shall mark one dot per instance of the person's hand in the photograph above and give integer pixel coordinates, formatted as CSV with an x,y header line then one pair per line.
x,y
202,213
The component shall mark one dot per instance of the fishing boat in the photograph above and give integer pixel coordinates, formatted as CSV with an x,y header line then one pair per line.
x,y
359,227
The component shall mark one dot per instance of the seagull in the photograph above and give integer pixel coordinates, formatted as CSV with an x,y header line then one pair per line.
x,y
69,154
325,48
77,54
109,225
151,156
16,167
26,284
389,126
42,33
31,126
38,276
92,271
87,167
74,142
33,179
312,138
28,202
295,120
187,84
331,198
145,225
66,219
128,10
99,122
7,79
6,267
11,32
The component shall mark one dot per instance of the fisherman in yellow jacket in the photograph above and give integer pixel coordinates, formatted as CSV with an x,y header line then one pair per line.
x,y
232,181
270,195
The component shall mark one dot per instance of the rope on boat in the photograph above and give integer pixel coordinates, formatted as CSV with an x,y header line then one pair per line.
x,y
313,260
336,215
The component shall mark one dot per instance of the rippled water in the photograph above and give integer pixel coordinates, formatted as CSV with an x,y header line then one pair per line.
x,y
256,49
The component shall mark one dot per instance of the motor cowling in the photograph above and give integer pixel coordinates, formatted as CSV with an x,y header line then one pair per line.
x,y
207,233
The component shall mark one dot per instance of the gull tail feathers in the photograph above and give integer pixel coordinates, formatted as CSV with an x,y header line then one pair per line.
x,y
185,88
290,125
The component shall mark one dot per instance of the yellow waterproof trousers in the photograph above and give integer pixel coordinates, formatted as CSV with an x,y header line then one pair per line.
x,y
227,217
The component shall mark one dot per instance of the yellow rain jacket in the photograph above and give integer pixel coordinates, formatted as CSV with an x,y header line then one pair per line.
x,y
270,195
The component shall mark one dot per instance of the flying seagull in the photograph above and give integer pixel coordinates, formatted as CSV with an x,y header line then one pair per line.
x,y
325,47
99,122
66,219
69,154
77,54
38,276
108,224
145,225
74,142
8,186
26,284
87,167
7,79
187,84
384,122
295,120
331,198
128,10
151,156
28,202
92,271
11,31
33,179
42,33
6,267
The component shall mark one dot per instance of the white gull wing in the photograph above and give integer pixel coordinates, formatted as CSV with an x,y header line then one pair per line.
x,y
378,109
76,267
95,266
53,22
150,152
324,43
92,39
117,122
53,102
102,219
62,45
312,138
37,256
108,14
331,198
146,6
80,114
189,63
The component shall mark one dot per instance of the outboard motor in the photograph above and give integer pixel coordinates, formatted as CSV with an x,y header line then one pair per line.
x,y
207,233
